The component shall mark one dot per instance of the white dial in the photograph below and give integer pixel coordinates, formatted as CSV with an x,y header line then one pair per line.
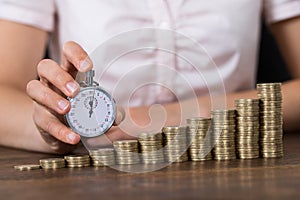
x,y
93,111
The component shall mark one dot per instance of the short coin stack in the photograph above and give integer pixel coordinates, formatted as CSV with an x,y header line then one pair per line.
x,y
200,140
27,167
151,148
270,120
127,152
52,163
223,125
78,161
103,157
175,143
247,137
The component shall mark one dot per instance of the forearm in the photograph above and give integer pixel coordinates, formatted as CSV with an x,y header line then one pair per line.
x,y
287,36
291,105
17,128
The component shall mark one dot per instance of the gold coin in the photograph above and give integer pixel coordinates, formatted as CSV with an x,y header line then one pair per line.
x,y
52,163
27,167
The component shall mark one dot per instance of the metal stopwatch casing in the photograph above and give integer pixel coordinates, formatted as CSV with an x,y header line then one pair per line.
x,y
93,110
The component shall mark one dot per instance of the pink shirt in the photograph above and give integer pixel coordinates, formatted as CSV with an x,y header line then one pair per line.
x,y
228,31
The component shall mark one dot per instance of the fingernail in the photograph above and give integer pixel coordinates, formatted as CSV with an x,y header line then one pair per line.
x,y
72,87
63,105
86,64
71,137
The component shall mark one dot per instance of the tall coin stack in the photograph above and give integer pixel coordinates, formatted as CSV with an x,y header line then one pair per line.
x,y
247,137
175,144
127,152
103,157
151,148
200,140
78,161
271,133
223,125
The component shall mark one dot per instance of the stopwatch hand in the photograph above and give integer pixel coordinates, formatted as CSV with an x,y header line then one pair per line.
x,y
91,109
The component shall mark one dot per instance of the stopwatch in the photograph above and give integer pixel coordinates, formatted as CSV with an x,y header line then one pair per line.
x,y
93,110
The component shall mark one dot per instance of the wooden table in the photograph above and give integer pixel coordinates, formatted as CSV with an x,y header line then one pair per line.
x,y
237,179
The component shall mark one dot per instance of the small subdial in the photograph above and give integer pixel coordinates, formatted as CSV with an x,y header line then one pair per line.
x,y
90,102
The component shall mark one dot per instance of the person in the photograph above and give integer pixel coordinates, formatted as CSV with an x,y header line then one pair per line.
x,y
72,29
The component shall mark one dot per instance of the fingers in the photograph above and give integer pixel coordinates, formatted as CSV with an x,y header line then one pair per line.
x,y
48,123
120,116
47,97
62,77
50,71
55,82
75,58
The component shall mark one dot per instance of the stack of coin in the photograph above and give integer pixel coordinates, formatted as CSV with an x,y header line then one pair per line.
x,y
270,120
103,157
199,139
77,161
223,126
52,163
175,143
127,152
27,167
151,148
247,137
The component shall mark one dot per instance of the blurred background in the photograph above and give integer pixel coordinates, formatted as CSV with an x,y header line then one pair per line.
x,y
271,67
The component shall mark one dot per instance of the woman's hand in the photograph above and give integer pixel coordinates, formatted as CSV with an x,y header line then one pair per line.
x,y
58,82
50,92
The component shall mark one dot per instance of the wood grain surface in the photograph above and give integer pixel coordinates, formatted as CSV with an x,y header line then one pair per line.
x,y
236,179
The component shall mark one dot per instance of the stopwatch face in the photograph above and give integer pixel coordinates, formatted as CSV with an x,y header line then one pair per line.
x,y
92,113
